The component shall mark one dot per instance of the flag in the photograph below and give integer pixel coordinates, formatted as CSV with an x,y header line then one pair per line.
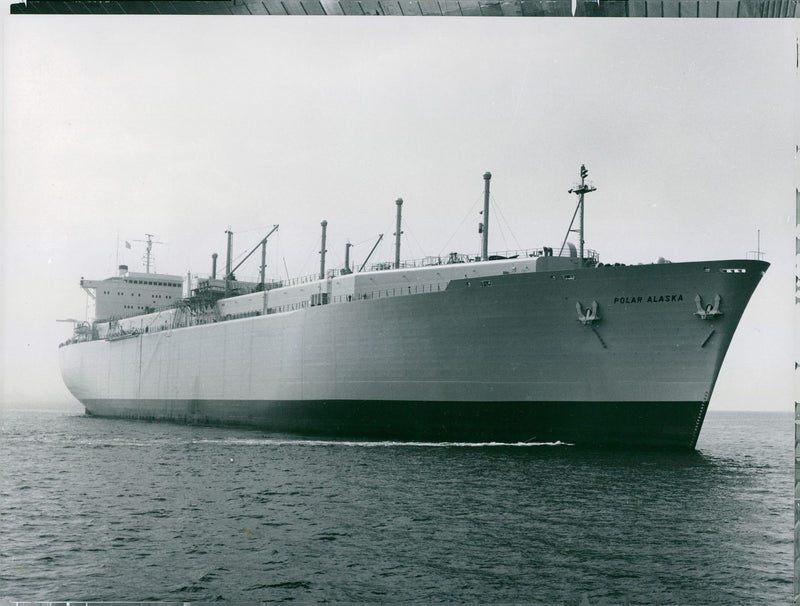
x,y
127,244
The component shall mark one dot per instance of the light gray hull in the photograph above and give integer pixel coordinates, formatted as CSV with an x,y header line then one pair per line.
x,y
514,341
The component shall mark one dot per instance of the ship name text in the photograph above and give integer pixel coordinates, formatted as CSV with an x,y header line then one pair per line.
x,y
650,299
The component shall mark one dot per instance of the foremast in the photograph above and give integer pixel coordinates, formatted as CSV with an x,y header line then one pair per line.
x,y
581,190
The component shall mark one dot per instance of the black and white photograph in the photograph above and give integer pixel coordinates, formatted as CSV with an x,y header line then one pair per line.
x,y
386,308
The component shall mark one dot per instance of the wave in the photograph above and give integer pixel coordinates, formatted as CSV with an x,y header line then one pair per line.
x,y
370,443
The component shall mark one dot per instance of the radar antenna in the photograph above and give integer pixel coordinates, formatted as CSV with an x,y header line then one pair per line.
x,y
581,189
148,250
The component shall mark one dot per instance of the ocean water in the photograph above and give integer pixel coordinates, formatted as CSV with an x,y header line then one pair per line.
x,y
112,510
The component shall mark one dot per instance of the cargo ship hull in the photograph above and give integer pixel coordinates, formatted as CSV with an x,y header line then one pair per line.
x,y
509,357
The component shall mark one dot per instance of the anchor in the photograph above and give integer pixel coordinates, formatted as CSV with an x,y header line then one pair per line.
x,y
588,317
709,312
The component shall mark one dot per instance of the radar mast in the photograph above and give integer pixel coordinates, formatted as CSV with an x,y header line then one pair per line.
x,y
148,250
581,189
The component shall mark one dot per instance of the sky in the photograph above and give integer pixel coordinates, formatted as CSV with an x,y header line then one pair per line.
x,y
183,127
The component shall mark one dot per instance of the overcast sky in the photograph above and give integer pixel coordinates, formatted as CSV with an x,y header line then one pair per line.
x,y
180,127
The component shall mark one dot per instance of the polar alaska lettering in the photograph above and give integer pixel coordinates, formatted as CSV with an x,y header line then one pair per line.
x,y
650,299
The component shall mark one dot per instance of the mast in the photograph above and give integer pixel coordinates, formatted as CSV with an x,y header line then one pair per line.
x,y
397,233
758,249
230,253
347,269
148,249
262,244
228,261
583,189
263,260
322,251
484,227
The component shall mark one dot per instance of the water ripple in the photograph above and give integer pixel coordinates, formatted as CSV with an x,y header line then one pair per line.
x,y
123,511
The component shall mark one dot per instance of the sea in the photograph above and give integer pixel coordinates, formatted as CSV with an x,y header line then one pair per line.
x,y
119,511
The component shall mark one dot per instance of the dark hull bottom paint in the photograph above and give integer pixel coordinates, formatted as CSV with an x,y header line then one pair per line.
x,y
642,424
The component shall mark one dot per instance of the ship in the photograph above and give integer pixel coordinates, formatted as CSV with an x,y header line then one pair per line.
x,y
545,345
